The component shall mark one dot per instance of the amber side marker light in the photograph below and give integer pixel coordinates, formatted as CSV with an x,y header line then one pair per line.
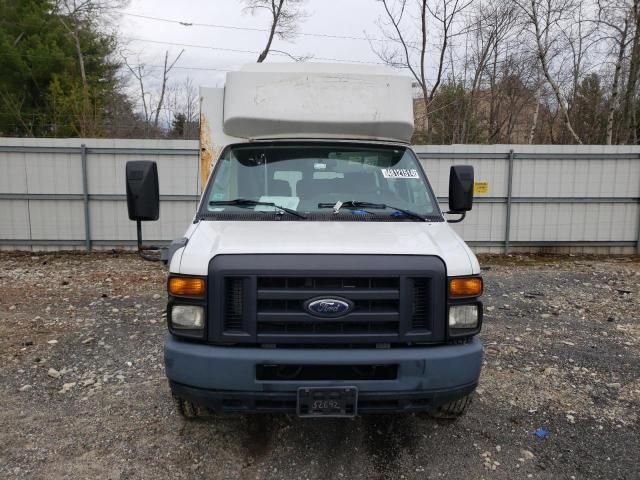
x,y
186,286
465,287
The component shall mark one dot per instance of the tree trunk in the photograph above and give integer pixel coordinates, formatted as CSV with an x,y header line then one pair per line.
x,y
556,91
634,65
469,113
75,34
85,130
536,112
425,126
162,90
423,81
616,80
493,101
276,17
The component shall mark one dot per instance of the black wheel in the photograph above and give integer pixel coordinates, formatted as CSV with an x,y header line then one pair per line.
x,y
186,408
452,410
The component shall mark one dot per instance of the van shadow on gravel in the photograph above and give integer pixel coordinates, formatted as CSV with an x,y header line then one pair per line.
x,y
386,438
369,446
257,435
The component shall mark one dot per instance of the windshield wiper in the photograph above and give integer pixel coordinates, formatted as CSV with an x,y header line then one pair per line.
x,y
355,204
244,202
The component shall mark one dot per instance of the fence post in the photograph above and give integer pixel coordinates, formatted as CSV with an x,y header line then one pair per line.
x,y
85,198
638,239
507,227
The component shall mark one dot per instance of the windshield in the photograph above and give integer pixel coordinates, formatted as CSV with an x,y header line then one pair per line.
x,y
311,179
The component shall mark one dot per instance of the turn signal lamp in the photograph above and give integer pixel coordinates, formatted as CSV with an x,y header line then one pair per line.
x,y
186,286
465,287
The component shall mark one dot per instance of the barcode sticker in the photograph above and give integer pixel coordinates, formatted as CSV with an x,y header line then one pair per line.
x,y
400,173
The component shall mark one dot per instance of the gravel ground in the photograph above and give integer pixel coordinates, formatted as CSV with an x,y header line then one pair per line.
x,y
84,394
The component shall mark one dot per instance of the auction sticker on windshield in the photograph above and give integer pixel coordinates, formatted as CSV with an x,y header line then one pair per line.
x,y
400,173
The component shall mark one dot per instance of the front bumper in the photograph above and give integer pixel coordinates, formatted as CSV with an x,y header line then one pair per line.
x,y
282,402
224,378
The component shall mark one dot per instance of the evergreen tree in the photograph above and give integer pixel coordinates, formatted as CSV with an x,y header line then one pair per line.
x,y
41,89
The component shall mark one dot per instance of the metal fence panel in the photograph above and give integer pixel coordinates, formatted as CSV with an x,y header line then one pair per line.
x,y
491,170
109,221
575,177
574,222
53,174
485,223
59,193
13,173
56,220
14,220
106,173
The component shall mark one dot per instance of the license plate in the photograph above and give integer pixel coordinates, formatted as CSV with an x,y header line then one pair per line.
x,y
327,401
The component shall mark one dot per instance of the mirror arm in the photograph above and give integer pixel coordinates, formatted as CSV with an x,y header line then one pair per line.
x,y
144,249
458,220
139,234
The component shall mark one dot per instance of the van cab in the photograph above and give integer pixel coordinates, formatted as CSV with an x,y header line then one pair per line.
x,y
319,275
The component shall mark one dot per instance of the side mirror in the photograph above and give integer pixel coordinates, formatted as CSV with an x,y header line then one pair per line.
x,y
143,194
460,190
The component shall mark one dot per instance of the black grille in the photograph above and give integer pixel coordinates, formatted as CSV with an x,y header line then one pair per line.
x,y
324,327
280,305
419,318
288,306
233,304
264,299
327,282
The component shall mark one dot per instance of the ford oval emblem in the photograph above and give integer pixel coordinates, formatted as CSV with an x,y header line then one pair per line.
x,y
328,307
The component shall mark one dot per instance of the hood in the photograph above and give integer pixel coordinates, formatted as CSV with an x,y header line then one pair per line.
x,y
210,238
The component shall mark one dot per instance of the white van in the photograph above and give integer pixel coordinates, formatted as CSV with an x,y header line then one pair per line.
x,y
319,276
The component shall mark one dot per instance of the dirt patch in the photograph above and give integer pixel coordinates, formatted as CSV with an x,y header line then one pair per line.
x,y
85,396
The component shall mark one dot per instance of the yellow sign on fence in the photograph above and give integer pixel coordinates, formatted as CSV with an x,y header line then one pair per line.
x,y
481,187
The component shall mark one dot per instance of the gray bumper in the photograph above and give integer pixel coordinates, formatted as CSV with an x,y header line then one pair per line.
x,y
233,369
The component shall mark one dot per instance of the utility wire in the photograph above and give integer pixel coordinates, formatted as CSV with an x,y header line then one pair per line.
x,y
208,47
235,50
250,29
114,62
366,38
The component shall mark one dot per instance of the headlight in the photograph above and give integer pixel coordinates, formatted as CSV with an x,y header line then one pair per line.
x,y
463,316
188,317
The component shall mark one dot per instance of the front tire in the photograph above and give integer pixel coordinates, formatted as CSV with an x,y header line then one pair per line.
x,y
452,410
187,409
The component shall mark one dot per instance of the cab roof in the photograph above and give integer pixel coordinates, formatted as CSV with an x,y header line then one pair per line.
x,y
317,100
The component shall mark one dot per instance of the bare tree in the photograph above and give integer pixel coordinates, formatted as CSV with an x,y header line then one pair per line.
x,y
402,52
515,95
628,110
151,107
544,18
165,77
444,12
285,17
579,36
536,110
139,72
614,19
183,109
492,24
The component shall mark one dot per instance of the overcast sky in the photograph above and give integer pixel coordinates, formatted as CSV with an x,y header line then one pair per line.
x,y
355,18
